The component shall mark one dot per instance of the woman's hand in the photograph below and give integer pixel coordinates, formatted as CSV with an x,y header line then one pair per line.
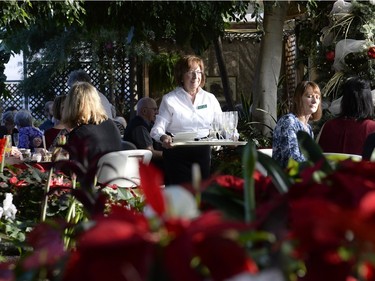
x,y
37,142
166,141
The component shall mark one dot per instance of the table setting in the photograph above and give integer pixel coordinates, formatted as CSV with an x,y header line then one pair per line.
x,y
223,132
18,157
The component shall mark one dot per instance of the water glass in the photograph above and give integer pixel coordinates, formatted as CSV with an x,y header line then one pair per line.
x,y
216,125
230,122
15,139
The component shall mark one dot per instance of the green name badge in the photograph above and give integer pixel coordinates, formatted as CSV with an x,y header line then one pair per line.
x,y
202,106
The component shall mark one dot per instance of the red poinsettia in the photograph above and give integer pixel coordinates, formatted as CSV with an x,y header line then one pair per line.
x,y
18,183
371,52
333,213
118,247
123,245
48,247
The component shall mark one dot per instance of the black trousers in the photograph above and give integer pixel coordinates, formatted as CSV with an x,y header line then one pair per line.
x,y
178,162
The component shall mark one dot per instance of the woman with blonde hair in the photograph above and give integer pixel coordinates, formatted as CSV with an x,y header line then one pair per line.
x,y
84,115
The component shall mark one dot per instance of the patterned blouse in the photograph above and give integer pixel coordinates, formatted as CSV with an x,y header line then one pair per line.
x,y
285,143
27,135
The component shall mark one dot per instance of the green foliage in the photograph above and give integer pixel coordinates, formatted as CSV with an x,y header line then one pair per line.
x,y
56,36
161,71
4,58
247,129
319,35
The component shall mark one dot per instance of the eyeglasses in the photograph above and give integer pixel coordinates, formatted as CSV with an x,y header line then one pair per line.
x,y
196,72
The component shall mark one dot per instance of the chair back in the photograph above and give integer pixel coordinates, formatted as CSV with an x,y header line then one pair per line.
x,y
267,151
122,167
258,166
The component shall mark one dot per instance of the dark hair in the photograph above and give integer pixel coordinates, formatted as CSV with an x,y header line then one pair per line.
x,y
78,76
357,99
8,116
58,105
183,65
297,99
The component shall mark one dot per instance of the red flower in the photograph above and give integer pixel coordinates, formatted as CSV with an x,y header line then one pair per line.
x,y
13,180
229,181
116,248
200,238
371,52
47,244
367,271
330,56
318,224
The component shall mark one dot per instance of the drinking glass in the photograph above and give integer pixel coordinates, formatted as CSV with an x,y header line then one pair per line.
x,y
15,139
216,125
8,148
230,123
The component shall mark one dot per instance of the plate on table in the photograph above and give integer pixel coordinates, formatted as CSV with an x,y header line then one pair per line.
x,y
184,136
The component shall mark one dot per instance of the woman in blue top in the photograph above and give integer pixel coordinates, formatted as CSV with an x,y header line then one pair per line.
x,y
30,137
306,107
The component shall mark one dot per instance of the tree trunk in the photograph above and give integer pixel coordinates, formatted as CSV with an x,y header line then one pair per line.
x,y
223,74
269,65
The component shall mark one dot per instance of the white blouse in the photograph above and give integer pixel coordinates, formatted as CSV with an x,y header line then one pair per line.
x,y
178,114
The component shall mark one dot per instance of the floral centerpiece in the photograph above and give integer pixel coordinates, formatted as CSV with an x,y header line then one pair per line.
x,y
313,221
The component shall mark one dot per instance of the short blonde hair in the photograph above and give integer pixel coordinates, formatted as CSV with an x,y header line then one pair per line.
x,y
83,106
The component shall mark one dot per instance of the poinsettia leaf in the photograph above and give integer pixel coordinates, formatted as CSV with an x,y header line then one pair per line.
x,y
151,181
312,150
279,178
230,203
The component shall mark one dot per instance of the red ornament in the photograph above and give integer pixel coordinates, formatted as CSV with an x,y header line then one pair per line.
x,y
330,56
371,52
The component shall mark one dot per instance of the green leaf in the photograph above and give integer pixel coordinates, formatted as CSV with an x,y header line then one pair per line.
x,y
225,200
249,159
312,151
279,178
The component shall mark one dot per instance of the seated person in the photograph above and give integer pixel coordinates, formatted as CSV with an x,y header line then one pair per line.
x,y
48,111
121,124
82,76
347,133
51,135
90,126
29,136
8,126
306,108
138,129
